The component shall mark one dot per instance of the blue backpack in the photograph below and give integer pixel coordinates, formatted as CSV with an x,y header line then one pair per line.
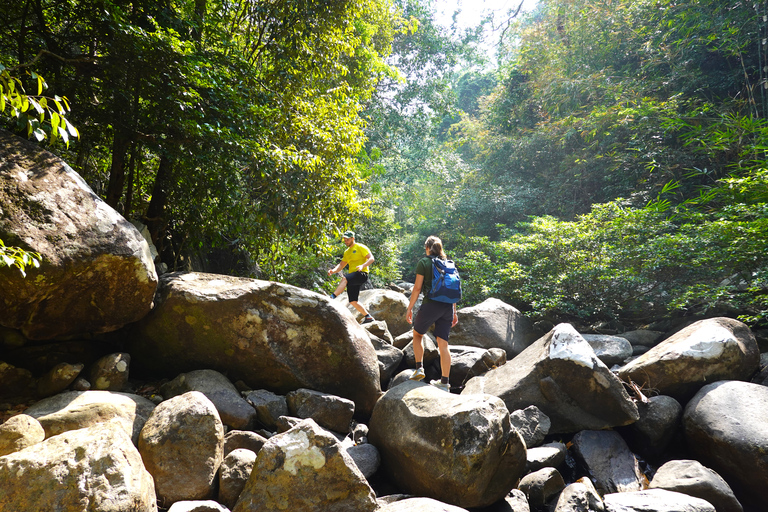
x,y
446,283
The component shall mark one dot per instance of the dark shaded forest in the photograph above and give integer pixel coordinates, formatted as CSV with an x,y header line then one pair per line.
x,y
607,165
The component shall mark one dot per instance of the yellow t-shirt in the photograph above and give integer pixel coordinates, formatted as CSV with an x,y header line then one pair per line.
x,y
356,255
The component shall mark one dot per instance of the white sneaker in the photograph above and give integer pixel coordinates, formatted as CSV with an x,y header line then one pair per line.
x,y
418,374
439,385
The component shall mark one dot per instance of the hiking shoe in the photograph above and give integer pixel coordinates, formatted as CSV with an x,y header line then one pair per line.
x,y
439,385
368,319
418,374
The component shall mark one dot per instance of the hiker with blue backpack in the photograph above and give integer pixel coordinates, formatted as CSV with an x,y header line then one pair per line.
x,y
438,278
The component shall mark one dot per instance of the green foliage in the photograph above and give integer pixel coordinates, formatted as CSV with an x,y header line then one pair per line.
x,y
40,116
19,258
618,262
225,124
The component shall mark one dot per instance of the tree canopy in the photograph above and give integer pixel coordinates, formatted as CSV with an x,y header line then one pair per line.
x,y
608,167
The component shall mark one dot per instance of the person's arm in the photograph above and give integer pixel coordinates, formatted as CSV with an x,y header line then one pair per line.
x,y
367,263
455,318
337,268
414,297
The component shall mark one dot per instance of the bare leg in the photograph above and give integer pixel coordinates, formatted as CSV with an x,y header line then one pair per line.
x,y
340,288
359,307
445,356
418,348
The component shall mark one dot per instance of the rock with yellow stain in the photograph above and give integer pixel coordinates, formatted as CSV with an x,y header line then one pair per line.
x,y
96,272
269,335
307,469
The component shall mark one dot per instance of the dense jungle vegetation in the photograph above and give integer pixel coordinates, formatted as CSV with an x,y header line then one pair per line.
x,y
608,165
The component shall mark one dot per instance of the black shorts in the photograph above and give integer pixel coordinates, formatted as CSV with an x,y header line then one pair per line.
x,y
354,281
433,312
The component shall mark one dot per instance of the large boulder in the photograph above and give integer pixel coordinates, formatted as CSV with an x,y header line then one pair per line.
x,y
419,505
182,445
692,478
655,500
78,409
561,375
94,468
97,273
493,324
457,449
706,351
306,468
726,428
269,335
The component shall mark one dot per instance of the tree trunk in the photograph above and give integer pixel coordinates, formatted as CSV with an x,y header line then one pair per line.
x,y
155,218
117,170
201,8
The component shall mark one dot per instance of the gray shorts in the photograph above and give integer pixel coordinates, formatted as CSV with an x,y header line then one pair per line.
x,y
433,312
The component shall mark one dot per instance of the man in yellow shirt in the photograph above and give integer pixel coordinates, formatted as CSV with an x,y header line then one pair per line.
x,y
359,258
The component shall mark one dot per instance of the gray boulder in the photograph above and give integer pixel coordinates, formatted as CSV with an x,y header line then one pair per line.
x,y
550,455
198,506
96,274
493,324
467,362
580,496
654,500
234,472
182,448
419,505
269,406
532,424
94,468
706,351
692,478
366,457
515,501
234,411
642,337
726,429
78,409
269,335
608,461
306,469
328,411
243,439
457,449
542,486
611,350
560,375
658,425
389,358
